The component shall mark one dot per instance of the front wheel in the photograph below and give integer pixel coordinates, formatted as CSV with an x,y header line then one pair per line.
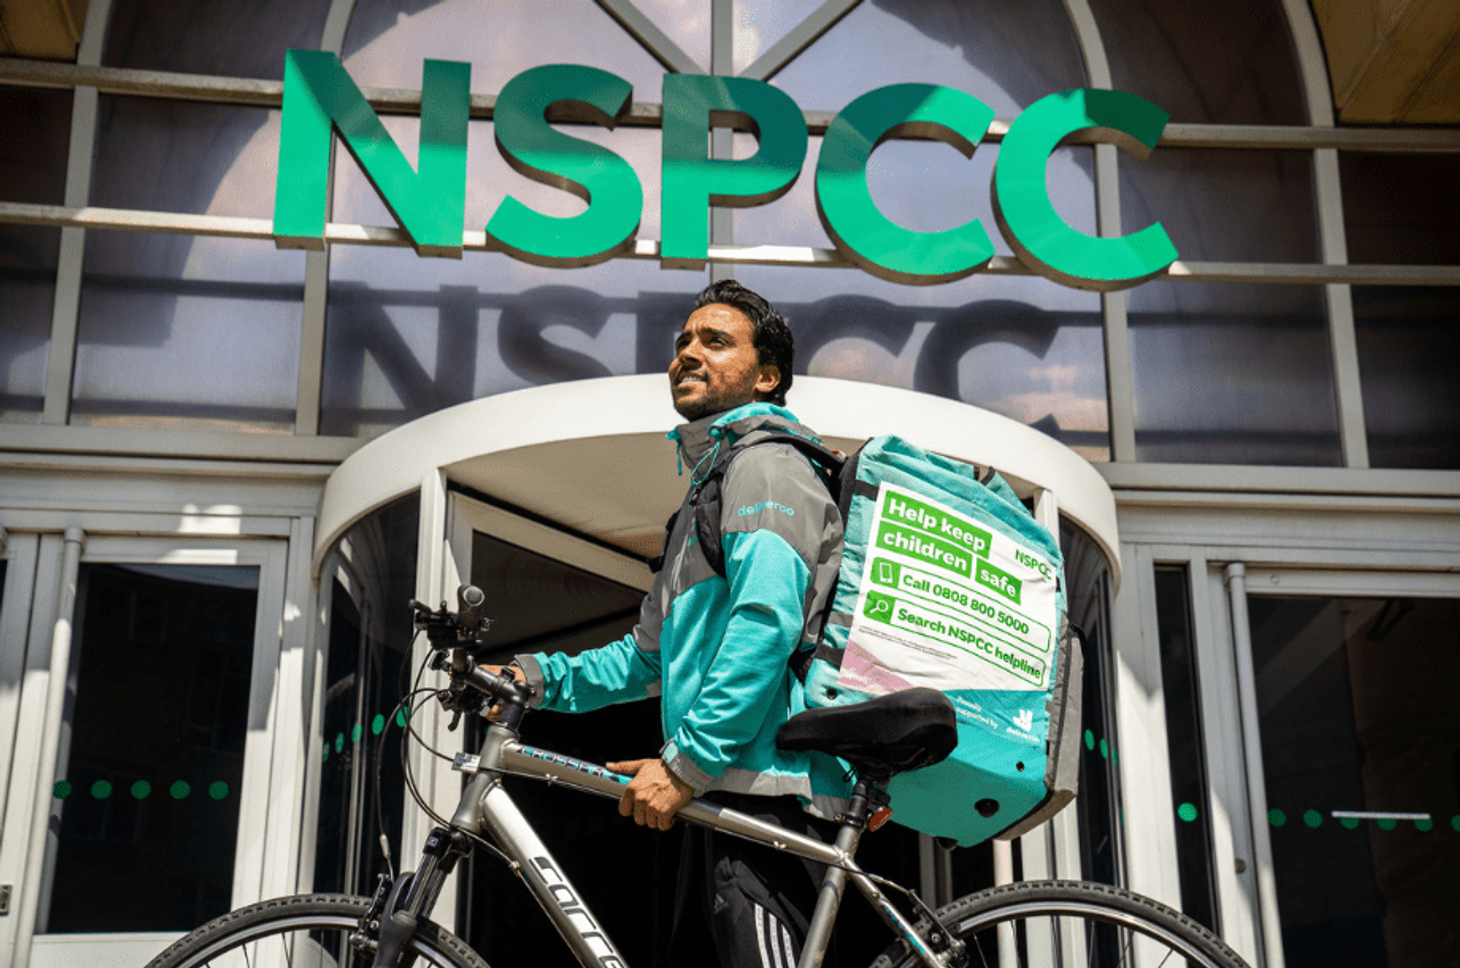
x,y
1061,924
308,931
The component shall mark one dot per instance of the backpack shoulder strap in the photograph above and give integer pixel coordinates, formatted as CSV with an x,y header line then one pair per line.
x,y
705,499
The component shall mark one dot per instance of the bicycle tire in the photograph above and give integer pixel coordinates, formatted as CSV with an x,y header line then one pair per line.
x,y
304,931
1057,923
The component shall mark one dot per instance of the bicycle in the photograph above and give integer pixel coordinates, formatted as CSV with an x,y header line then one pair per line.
x,y
1043,923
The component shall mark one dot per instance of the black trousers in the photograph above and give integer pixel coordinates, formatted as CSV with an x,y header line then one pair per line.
x,y
756,901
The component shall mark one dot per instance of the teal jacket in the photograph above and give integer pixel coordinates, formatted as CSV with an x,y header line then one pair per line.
x,y
717,649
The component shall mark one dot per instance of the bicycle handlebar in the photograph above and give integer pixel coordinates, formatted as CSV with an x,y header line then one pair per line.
x,y
455,637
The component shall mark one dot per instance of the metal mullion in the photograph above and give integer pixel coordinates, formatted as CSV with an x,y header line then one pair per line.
x,y
1343,346
1232,849
803,35
307,400
722,140
650,37
1119,385
65,310
1268,917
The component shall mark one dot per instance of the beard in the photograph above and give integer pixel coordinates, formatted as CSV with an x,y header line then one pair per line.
x,y
714,399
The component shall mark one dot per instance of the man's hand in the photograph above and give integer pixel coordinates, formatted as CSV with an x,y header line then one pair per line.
x,y
654,795
513,673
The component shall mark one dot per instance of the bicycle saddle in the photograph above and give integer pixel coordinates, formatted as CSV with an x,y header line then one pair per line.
x,y
885,735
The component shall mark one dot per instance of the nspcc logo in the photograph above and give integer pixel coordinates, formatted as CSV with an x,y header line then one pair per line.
x,y
430,201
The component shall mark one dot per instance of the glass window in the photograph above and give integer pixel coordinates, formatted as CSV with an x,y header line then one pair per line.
x,y
387,40
1224,206
147,795
32,170
184,332
1008,55
1098,806
366,671
1029,350
1360,722
182,156
199,37
187,332
1232,373
1400,209
761,24
1408,357
1181,695
1222,63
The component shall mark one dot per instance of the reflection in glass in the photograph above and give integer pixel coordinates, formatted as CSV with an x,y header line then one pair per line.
x,y
1234,374
1400,209
1409,354
1360,723
188,333
1027,349
1222,63
33,170
1181,695
1224,206
373,569
147,795
761,24
182,156
387,40
199,37
1098,806
1007,55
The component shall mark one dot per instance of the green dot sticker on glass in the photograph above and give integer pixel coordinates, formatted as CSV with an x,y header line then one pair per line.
x,y
377,725
180,790
1313,819
1104,750
1349,823
218,790
1089,740
339,742
1424,825
61,790
101,789
400,717
141,790
1187,812
356,733
1387,823
1277,817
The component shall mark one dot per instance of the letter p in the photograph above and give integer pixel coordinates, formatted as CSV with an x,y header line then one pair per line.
x,y
693,181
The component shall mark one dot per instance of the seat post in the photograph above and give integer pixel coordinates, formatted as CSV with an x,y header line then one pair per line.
x,y
865,792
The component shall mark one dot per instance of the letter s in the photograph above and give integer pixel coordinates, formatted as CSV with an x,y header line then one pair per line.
x,y
598,176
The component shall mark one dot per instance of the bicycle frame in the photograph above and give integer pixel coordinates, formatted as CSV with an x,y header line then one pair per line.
x,y
487,808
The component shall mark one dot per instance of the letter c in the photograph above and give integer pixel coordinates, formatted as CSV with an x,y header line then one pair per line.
x,y
864,235
1039,237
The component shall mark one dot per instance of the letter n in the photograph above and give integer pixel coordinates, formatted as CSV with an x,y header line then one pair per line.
x,y
430,204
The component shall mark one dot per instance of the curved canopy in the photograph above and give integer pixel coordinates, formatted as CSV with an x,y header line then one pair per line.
x,y
592,455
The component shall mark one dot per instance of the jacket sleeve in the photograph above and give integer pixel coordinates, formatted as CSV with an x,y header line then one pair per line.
x,y
625,670
778,525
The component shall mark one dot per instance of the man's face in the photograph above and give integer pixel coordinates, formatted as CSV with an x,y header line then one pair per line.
x,y
715,367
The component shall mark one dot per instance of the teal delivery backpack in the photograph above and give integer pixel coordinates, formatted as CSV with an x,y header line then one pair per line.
x,y
947,581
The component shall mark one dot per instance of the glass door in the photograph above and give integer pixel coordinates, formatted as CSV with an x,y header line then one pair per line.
x,y
1357,696
151,818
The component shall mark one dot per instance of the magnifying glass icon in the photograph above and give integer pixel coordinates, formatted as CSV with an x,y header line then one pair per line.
x,y
879,606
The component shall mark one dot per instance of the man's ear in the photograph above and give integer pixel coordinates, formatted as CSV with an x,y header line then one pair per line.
x,y
767,380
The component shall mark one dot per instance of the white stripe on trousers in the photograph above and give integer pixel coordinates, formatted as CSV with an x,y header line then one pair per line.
x,y
776,949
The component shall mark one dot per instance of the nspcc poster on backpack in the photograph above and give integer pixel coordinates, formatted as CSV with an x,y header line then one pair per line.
x,y
951,604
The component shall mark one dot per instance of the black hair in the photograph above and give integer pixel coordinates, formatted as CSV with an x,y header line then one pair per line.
x,y
774,344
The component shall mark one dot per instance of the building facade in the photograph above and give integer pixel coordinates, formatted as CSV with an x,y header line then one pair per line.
x,y
229,461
